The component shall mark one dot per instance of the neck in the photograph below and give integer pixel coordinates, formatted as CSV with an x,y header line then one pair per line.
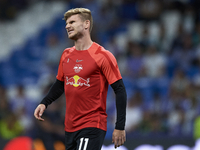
x,y
83,43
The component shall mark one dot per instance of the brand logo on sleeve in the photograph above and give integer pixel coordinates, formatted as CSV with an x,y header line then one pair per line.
x,y
77,81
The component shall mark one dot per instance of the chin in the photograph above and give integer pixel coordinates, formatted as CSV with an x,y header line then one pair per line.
x,y
73,37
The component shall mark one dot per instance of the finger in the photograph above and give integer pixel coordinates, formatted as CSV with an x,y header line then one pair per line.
x,y
113,139
38,113
41,112
40,119
122,142
124,139
116,142
115,145
119,141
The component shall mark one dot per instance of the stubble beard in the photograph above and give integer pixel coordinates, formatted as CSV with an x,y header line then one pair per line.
x,y
75,36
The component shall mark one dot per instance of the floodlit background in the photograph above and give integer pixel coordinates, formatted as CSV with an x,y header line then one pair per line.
x,y
156,44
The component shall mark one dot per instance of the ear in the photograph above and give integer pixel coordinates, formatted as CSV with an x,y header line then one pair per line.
x,y
87,24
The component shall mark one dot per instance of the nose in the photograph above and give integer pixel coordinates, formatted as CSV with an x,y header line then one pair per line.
x,y
67,26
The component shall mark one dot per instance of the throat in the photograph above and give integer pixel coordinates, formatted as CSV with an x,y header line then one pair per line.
x,y
83,45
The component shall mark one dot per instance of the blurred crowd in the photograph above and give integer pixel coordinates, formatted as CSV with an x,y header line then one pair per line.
x,y
160,69
10,8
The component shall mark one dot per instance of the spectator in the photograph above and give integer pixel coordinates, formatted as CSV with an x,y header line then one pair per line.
x,y
179,83
196,128
150,9
22,107
9,8
134,60
4,105
51,130
134,113
10,126
53,51
176,120
158,105
196,34
185,52
154,62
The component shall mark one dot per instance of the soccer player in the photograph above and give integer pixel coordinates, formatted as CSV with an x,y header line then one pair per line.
x,y
84,72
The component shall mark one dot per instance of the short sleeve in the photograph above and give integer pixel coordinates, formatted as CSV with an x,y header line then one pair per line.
x,y
60,74
110,67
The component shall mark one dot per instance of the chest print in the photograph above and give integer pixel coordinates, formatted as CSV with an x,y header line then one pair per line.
x,y
77,81
77,68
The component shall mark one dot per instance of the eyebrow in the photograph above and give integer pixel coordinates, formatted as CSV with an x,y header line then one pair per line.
x,y
70,21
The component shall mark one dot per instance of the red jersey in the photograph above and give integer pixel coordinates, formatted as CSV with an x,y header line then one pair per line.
x,y
86,75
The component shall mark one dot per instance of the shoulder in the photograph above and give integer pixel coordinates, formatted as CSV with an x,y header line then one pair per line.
x,y
103,52
104,57
67,52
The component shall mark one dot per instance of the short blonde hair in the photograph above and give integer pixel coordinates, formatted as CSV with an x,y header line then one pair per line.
x,y
84,13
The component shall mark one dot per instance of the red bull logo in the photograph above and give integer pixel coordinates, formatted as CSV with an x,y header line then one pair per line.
x,y
77,81
78,68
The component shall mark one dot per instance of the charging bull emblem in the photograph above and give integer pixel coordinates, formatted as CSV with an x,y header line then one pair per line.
x,y
77,81
77,68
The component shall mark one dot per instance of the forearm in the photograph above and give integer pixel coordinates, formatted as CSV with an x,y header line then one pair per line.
x,y
121,100
56,90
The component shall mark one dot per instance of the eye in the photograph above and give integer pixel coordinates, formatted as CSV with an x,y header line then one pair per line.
x,y
70,22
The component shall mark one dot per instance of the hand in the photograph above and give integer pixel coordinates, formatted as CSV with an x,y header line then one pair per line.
x,y
118,137
39,111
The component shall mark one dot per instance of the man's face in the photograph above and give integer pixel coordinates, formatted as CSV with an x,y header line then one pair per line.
x,y
74,27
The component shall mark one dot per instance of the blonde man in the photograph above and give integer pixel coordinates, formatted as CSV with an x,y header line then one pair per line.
x,y
84,73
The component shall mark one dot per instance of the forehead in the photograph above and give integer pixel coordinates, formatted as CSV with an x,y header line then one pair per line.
x,y
75,17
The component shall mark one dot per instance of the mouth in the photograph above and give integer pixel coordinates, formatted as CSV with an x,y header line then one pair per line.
x,y
70,31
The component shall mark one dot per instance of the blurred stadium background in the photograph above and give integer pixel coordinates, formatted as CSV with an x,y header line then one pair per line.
x,y
157,46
